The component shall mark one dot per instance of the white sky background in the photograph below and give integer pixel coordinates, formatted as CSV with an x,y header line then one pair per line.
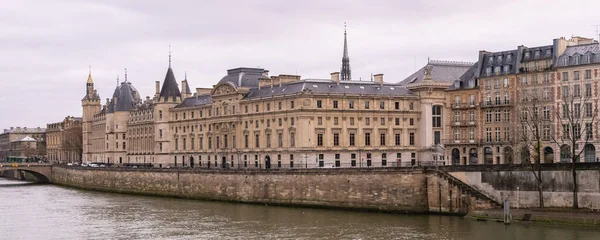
x,y
47,45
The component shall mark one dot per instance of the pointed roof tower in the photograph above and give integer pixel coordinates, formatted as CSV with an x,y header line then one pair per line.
x,y
345,72
89,80
187,85
169,87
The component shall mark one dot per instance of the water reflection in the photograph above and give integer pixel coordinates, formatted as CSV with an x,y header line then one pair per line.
x,y
63,213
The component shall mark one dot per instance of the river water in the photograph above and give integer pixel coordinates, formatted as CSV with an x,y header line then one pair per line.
x,y
52,212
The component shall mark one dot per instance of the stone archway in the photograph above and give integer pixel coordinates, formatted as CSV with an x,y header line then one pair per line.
x,y
565,153
473,160
488,155
509,155
589,153
548,155
455,156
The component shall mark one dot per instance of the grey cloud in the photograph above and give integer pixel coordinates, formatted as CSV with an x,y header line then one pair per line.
x,y
46,46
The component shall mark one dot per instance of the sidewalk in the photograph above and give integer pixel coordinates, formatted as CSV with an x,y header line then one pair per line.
x,y
560,216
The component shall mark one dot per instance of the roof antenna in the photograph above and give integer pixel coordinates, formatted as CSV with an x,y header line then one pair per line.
x,y
371,77
125,74
185,75
597,31
169,55
117,80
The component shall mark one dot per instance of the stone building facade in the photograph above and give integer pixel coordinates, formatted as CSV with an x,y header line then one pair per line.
x,y
20,143
444,113
64,140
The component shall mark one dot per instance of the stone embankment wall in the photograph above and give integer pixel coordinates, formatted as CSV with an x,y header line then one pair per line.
x,y
370,189
557,186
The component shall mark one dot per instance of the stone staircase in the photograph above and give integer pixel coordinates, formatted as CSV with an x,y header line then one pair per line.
x,y
477,194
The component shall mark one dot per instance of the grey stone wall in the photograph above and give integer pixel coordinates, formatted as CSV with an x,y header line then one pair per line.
x,y
384,190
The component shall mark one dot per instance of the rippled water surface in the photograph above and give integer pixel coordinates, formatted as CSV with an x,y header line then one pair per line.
x,y
51,212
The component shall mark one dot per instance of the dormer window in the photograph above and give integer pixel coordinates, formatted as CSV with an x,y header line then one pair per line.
x,y
500,59
548,53
497,70
491,60
537,54
488,71
471,83
577,59
507,69
566,61
526,54
586,59
508,57
457,84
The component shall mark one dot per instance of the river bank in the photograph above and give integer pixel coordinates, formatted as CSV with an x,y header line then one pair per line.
x,y
553,216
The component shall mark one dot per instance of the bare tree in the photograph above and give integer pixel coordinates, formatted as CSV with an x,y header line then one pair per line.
x,y
72,142
533,120
577,115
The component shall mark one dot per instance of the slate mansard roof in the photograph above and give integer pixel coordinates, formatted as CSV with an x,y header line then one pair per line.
x,y
244,77
468,80
127,96
503,63
441,71
318,86
580,54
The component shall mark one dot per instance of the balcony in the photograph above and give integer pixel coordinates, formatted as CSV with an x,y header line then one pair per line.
x,y
463,123
496,141
502,103
464,105
461,141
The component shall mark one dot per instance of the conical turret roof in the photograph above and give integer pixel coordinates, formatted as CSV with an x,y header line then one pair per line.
x,y
169,87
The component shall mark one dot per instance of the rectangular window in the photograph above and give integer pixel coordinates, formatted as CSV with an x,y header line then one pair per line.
x,y
351,104
268,138
256,139
367,121
335,104
397,138
382,139
245,141
588,109
292,121
292,104
292,139
320,121
382,121
397,121
565,76
411,122
577,90
366,104
280,139
575,75
411,139
320,139
588,74
352,121
565,91
337,160
397,105
352,139
382,105
367,139
319,104
335,121
279,105
336,139
588,90
353,159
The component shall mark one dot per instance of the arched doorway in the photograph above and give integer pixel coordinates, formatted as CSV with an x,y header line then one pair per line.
x,y
508,155
488,155
525,155
192,162
565,153
267,162
455,157
589,153
548,155
473,156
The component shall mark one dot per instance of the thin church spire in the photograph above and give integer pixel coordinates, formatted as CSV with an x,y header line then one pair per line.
x,y
345,72
169,55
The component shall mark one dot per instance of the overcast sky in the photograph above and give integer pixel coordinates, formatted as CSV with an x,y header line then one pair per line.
x,y
47,45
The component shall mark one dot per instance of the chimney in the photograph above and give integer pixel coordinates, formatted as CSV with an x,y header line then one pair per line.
x,y
378,78
147,98
335,76
183,90
203,91
157,89
107,99
266,73
12,128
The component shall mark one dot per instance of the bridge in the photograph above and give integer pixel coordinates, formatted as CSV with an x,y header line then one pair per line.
x,y
42,172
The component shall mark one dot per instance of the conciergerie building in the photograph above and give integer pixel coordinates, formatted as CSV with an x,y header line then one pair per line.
x,y
250,119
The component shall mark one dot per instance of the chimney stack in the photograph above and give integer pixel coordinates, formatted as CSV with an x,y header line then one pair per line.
x,y
378,78
157,89
266,73
335,76
183,89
